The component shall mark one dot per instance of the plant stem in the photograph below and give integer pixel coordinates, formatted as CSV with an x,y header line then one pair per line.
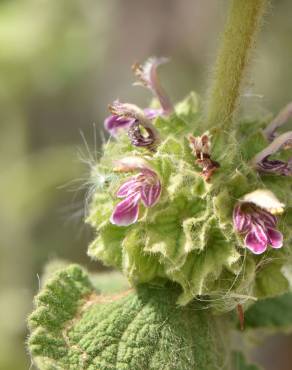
x,y
238,40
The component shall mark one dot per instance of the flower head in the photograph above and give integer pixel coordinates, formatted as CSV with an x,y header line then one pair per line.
x,y
256,223
143,187
263,163
147,76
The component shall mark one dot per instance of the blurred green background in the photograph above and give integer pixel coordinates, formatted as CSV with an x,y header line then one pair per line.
x,y
61,63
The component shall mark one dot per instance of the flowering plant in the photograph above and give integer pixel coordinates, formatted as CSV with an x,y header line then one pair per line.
x,y
195,213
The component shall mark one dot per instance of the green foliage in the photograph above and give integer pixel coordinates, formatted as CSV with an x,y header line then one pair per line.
x,y
75,328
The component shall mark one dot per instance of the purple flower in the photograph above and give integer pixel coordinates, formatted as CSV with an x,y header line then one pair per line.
x,y
114,123
263,163
258,225
147,76
130,116
144,187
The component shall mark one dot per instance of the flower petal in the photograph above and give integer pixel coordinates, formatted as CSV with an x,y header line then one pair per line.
x,y
152,113
275,238
148,77
129,164
262,163
266,217
256,240
275,167
241,220
150,194
278,121
128,188
136,116
114,123
127,211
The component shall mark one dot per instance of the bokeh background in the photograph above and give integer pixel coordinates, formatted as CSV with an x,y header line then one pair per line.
x,y
61,63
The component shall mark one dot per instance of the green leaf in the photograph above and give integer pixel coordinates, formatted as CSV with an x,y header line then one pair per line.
x,y
107,245
270,280
253,145
271,313
173,125
171,146
188,108
202,268
138,264
74,328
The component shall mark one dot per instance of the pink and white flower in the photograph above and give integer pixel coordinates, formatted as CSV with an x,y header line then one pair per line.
x,y
144,187
257,224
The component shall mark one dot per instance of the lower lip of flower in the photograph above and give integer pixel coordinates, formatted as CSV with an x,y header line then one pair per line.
x,y
144,187
258,226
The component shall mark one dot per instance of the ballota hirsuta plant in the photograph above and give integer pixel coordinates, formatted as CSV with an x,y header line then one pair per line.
x,y
193,204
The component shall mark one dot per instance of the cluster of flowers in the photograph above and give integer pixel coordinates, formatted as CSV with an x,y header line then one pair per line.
x,y
253,216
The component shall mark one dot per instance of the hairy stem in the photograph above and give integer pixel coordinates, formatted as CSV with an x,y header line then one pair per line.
x,y
238,40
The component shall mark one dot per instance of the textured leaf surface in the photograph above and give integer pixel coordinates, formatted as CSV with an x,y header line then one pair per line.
x,y
75,328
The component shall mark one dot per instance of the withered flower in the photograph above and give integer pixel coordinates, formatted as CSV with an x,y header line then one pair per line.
x,y
201,149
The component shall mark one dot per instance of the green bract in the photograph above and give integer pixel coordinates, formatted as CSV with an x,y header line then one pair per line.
x,y
188,237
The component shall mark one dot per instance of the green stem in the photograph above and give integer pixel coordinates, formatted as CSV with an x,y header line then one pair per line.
x,y
238,40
